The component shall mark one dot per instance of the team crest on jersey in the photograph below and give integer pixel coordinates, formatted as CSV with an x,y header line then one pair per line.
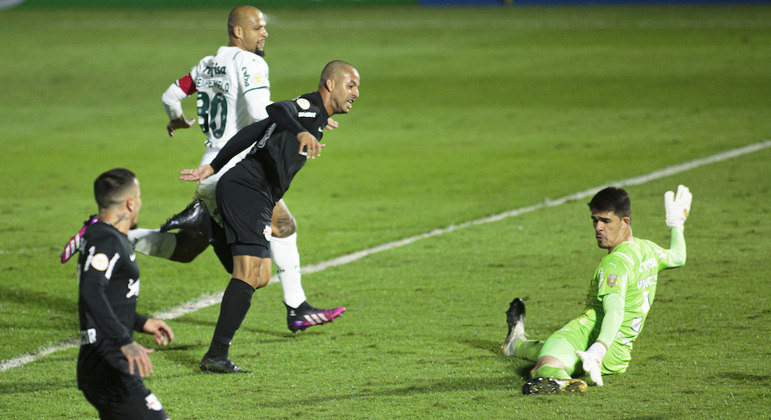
x,y
100,262
612,280
303,103
267,232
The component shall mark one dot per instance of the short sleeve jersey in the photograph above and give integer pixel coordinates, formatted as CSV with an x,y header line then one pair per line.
x,y
224,82
107,296
631,271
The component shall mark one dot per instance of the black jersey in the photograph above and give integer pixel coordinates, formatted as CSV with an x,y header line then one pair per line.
x,y
108,289
274,140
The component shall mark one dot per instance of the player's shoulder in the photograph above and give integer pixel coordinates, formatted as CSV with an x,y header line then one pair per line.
x,y
103,234
624,256
309,102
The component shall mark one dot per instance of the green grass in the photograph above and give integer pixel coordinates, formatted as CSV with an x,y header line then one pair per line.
x,y
464,113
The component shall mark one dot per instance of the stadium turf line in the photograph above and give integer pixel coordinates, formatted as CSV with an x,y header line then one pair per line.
x,y
212,299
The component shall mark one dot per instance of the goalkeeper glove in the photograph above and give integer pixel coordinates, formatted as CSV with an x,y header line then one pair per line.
x,y
677,206
592,361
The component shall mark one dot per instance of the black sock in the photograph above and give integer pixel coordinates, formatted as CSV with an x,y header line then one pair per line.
x,y
235,304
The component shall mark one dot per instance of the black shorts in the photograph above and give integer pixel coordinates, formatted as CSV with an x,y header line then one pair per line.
x,y
136,404
245,201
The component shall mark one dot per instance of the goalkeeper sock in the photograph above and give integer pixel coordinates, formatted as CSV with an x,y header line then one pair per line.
x,y
528,349
153,242
547,371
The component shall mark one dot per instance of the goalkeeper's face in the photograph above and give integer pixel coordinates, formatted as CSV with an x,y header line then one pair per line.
x,y
610,230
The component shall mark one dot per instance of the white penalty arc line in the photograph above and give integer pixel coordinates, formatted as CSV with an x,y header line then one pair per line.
x,y
212,299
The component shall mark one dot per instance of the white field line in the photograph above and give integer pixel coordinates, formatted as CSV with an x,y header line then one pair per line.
x,y
212,299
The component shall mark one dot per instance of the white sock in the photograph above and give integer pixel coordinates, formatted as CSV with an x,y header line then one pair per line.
x,y
153,242
284,253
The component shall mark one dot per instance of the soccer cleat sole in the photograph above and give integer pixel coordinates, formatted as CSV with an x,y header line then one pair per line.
x,y
515,317
544,386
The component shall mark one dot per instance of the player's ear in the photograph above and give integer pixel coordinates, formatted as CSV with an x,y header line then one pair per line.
x,y
330,84
238,31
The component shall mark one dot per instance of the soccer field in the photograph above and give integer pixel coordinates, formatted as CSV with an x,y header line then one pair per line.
x,y
464,113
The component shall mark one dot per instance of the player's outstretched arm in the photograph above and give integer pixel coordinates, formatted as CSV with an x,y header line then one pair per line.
x,y
198,174
159,330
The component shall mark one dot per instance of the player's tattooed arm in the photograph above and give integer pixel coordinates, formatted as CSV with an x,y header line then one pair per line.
x,y
137,355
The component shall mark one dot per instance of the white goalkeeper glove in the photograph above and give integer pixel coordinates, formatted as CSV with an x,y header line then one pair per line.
x,y
592,360
677,206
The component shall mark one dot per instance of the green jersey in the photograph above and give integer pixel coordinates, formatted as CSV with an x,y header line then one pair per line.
x,y
631,271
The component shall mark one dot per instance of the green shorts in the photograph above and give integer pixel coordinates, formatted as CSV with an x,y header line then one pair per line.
x,y
579,334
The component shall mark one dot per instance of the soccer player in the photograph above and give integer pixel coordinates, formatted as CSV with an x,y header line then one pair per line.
x,y
110,363
246,194
619,297
233,91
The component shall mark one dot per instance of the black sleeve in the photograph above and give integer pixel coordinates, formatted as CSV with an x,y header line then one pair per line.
x,y
139,322
238,143
93,296
284,114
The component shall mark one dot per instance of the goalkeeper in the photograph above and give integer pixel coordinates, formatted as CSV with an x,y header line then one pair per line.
x,y
620,295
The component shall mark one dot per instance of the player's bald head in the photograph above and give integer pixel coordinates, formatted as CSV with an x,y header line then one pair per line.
x,y
241,16
334,70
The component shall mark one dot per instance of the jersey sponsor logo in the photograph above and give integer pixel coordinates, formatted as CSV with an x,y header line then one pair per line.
x,y
647,282
215,70
133,286
153,403
303,103
307,114
100,262
266,136
246,76
647,265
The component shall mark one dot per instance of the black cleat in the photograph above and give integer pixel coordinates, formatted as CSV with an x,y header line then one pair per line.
x,y
194,217
219,365
515,318
305,315
541,386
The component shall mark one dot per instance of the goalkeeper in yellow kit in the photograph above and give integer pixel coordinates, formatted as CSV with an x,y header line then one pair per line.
x,y
620,295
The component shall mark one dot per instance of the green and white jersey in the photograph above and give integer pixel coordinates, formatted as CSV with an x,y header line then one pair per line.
x,y
233,91
631,271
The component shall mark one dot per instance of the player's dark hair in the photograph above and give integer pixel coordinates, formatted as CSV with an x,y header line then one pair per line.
x,y
612,199
331,70
109,186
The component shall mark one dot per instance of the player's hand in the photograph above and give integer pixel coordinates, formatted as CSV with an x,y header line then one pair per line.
x,y
309,146
137,355
198,174
677,206
592,361
177,123
331,124
159,330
